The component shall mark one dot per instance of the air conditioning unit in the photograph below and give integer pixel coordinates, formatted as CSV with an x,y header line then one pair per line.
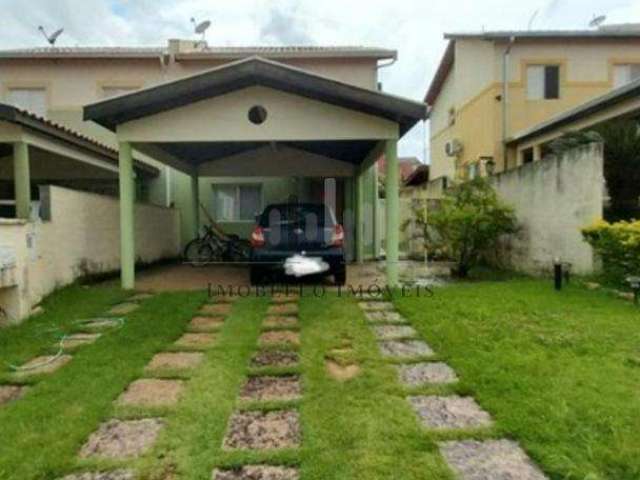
x,y
453,148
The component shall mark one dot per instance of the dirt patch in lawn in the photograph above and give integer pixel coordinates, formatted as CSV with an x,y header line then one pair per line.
x,y
489,460
283,309
452,412
275,358
114,475
419,374
124,308
384,317
263,431
403,349
11,393
257,472
175,361
206,324
150,392
271,388
79,339
393,332
376,306
216,309
43,364
342,372
122,439
196,340
280,321
282,337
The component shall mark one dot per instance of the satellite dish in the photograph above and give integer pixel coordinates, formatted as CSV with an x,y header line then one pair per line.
x,y
53,37
597,21
201,28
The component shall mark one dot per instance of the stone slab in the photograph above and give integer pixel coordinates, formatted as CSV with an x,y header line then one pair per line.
x,y
11,393
175,361
80,339
489,460
151,392
280,337
275,358
120,440
384,316
216,309
376,306
42,365
257,472
428,373
124,308
268,388
113,475
393,332
196,340
404,349
452,412
280,321
263,430
283,309
206,324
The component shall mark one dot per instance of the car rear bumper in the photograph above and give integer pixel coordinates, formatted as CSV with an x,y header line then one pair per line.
x,y
274,259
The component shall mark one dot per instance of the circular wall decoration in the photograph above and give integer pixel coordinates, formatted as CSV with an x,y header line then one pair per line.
x,y
257,114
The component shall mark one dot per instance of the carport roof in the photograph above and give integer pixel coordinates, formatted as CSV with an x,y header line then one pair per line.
x,y
251,72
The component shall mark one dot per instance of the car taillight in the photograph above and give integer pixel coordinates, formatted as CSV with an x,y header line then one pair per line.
x,y
257,237
337,239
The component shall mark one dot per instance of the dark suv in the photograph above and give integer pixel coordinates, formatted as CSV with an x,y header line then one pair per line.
x,y
306,229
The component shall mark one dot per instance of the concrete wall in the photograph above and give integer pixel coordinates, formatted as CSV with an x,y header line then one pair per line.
x,y
554,198
80,236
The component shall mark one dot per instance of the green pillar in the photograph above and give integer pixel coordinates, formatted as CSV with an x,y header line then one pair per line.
x,y
392,192
195,204
127,225
359,220
376,213
22,180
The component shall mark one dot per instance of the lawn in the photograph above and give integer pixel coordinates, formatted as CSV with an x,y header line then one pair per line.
x,y
558,372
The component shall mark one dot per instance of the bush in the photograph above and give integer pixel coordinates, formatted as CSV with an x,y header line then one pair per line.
x,y
468,224
618,245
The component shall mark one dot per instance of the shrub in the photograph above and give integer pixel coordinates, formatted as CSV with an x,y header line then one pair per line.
x,y
468,224
618,245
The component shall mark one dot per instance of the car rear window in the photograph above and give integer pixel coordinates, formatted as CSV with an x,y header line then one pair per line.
x,y
302,214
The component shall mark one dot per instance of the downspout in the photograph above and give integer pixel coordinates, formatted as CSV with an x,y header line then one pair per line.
x,y
505,99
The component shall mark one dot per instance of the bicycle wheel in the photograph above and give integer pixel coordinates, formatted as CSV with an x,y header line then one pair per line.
x,y
197,252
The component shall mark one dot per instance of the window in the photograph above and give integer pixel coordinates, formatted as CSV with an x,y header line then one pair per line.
x,y
237,203
33,100
623,74
473,170
543,82
527,156
108,92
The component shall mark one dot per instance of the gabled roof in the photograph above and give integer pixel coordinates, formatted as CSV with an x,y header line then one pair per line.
x,y
207,52
249,72
612,98
24,118
446,63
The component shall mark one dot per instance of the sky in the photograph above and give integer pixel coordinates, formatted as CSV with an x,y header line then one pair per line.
x,y
414,28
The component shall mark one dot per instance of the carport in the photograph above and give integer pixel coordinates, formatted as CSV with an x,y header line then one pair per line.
x,y
259,117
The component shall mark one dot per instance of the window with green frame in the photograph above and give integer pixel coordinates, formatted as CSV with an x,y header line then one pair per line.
x,y
237,202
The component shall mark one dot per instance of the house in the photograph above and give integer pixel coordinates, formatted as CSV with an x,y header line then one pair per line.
x,y
230,129
490,86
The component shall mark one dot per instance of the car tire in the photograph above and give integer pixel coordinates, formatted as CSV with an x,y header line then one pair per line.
x,y
340,275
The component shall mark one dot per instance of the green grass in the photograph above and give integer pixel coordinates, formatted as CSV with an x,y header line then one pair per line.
x,y
560,372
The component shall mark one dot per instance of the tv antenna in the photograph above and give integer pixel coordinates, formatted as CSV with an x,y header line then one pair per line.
x,y
597,21
533,17
51,38
201,27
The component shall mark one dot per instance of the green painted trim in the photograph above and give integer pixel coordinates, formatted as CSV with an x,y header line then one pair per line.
x,y
392,191
195,205
376,214
372,157
127,227
359,217
22,180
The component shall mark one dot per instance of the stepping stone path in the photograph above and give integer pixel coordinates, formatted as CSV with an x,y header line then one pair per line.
x,y
469,459
149,392
206,324
175,361
99,324
490,459
80,339
275,429
257,472
42,365
121,440
124,308
114,475
196,341
140,297
420,374
216,309
11,393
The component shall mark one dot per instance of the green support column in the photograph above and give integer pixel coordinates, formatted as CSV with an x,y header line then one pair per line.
x,y
392,192
376,213
195,206
22,180
359,181
127,226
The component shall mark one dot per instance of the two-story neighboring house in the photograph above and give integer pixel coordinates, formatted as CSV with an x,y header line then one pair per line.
x,y
492,85
55,83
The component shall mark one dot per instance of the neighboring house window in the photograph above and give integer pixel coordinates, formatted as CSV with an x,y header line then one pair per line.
x,y
237,203
33,100
623,74
473,171
543,82
527,155
108,92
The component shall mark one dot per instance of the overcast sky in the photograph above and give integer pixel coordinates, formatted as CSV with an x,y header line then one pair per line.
x,y
413,27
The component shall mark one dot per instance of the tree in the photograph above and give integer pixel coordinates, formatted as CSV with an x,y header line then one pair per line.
x,y
468,224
